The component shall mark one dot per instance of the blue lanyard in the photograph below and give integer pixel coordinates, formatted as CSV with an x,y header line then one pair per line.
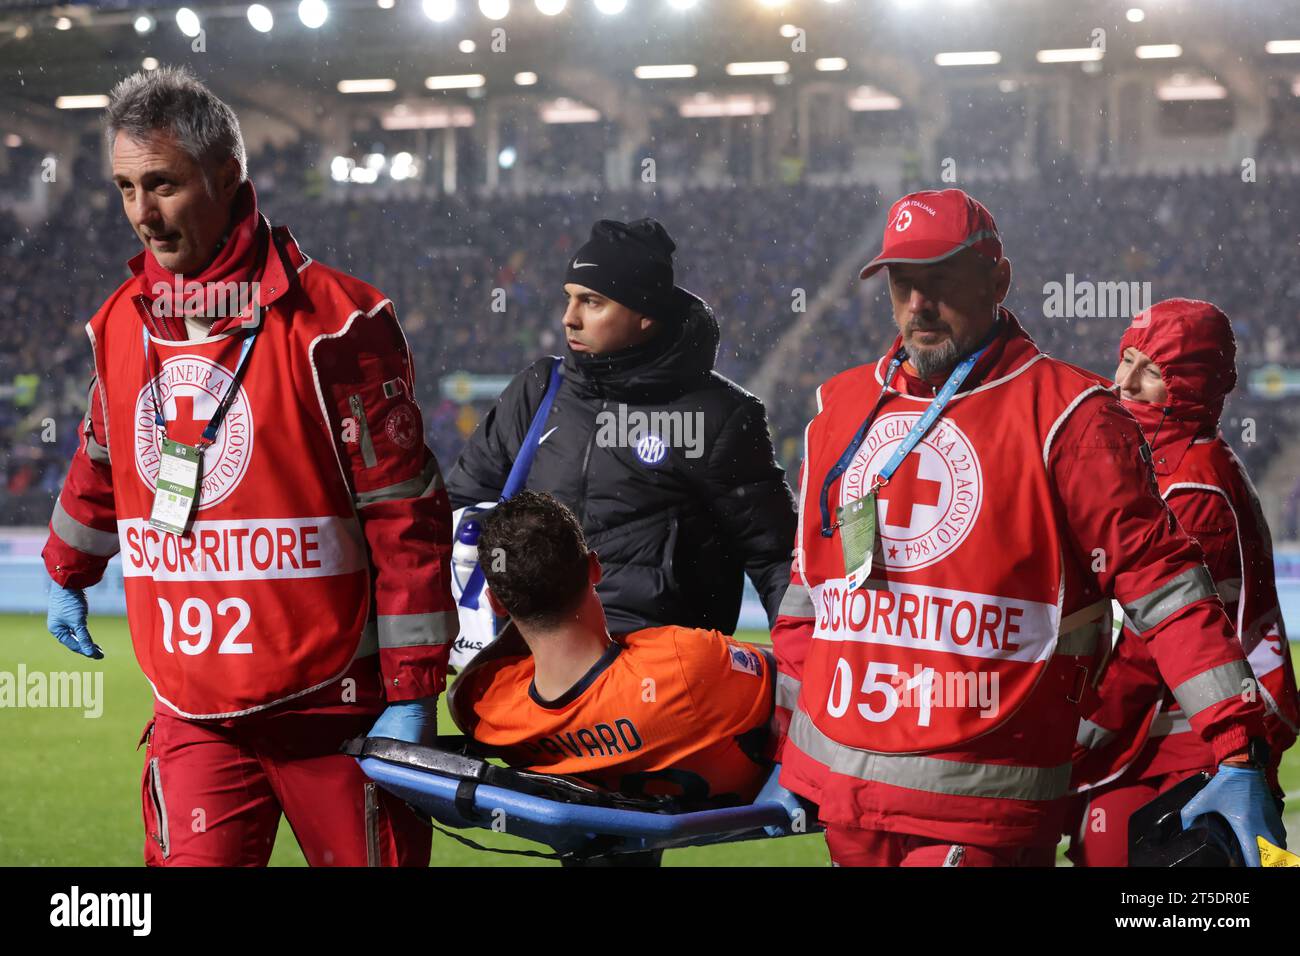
x,y
913,438
227,398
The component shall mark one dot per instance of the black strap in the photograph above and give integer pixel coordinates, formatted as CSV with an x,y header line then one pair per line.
x,y
465,791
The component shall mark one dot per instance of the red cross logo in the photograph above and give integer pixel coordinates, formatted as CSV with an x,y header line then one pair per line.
x,y
919,491
183,426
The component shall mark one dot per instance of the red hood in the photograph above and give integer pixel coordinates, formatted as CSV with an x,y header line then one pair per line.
x,y
1192,343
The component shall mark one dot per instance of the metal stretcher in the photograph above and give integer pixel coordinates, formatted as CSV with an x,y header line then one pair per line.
x,y
581,825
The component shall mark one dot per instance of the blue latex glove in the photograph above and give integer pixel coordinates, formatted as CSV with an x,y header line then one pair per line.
x,y
66,620
413,721
1240,795
773,792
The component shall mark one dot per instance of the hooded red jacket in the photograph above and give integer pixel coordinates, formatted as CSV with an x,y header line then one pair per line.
x,y
1104,506
396,488
1137,723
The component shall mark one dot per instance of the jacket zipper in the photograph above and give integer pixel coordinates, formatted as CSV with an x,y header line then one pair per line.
x,y
586,460
363,430
161,837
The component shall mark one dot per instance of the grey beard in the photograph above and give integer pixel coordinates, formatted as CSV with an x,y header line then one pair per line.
x,y
936,361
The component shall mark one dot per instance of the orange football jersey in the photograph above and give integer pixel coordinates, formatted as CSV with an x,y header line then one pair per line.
x,y
669,710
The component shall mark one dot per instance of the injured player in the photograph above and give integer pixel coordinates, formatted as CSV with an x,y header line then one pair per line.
x,y
662,710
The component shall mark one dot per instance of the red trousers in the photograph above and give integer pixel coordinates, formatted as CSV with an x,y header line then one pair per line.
x,y
1101,835
213,791
850,846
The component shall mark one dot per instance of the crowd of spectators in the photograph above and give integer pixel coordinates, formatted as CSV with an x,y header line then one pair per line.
x,y
477,283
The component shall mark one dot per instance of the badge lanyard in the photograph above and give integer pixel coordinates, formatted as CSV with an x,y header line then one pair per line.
x,y
227,398
180,466
918,431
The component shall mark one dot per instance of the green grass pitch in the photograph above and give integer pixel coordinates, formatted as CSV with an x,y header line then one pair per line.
x,y
70,791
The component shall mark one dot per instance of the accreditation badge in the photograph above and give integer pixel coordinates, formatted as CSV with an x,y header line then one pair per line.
x,y
176,488
857,525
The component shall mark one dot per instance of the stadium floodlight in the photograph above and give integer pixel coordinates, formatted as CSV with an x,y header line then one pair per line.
x,y
770,3
526,78
550,8
611,7
402,167
467,46
564,110
830,64
375,161
260,18
1282,46
63,23
494,9
313,13
682,4
666,71
13,140
1081,54
188,22
377,85
869,99
458,81
149,63
506,158
386,4
144,24
758,68
789,31
969,58
439,11
1182,87
706,105
89,101
1159,51
1135,15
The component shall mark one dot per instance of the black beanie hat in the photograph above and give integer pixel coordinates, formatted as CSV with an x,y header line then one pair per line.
x,y
631,263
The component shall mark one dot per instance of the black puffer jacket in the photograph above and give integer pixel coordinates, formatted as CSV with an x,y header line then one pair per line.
x,y
675,535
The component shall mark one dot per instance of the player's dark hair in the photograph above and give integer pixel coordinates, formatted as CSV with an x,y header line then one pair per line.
x,y
534,558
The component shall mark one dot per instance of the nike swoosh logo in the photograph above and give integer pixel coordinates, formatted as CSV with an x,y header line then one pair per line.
x,y
547,435
583,265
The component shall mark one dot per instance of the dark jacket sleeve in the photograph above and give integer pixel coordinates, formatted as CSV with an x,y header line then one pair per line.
x,y
751,501
480,472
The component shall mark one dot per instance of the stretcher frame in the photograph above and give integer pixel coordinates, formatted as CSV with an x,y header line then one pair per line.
x,y
450,787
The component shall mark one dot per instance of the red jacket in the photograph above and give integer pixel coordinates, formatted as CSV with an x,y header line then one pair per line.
x,y
1137,724
387,476
1118,539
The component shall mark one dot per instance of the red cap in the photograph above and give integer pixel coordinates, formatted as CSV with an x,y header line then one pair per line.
x,y
931,225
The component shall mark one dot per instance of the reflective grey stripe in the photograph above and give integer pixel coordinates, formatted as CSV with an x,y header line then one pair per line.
x,y
1216,684
1229,589
369,641
95,451
102,544
797,602
1092,735
425,483
930,774
1080,642
787,691
1176,593
417,630
1166,723
1081,631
